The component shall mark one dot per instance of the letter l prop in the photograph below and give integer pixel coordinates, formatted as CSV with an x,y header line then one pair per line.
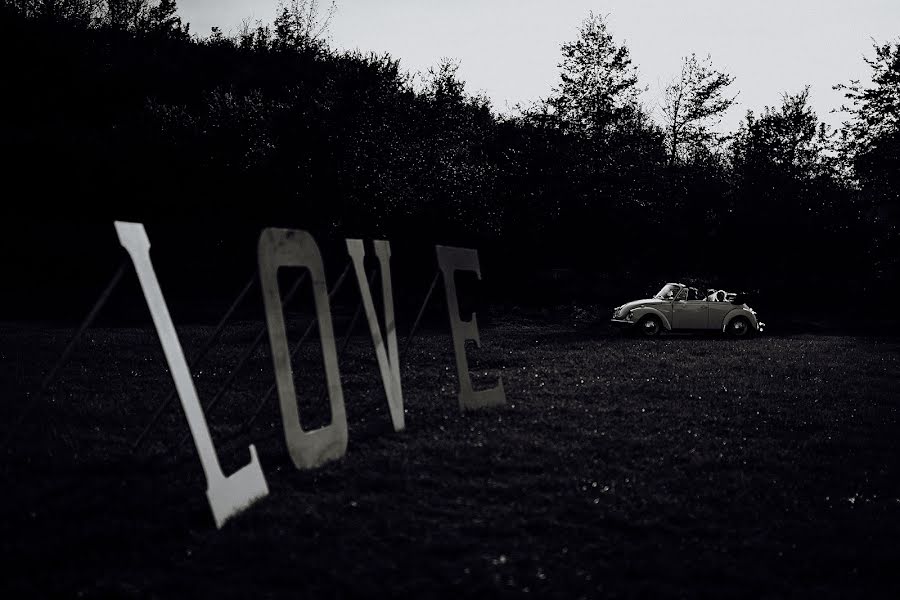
x,y
227,495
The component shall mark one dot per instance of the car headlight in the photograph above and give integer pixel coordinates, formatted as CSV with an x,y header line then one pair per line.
x,y
630,315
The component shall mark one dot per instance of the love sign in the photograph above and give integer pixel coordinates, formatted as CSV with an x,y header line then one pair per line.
x,y
308,449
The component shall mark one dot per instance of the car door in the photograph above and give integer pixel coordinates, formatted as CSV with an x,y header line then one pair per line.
x,y
688,314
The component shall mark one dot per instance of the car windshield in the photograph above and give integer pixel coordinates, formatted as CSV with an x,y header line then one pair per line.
x,y
668,292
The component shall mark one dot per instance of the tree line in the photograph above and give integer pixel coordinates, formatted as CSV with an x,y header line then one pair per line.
x,y
112,109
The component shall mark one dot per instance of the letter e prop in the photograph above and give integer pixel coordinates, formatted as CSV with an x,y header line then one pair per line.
x,y
451,260
290,248
227,495
388,362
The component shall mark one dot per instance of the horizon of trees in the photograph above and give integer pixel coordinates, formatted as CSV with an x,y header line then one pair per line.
x,y
114,110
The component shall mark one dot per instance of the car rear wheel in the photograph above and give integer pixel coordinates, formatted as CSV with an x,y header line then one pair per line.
x,y
650,326
739,327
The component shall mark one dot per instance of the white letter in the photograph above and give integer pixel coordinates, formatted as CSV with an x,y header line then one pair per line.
x,y
388,362
451,260
227,495
289,248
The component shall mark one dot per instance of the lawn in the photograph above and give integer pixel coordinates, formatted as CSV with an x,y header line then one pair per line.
x,y
678,467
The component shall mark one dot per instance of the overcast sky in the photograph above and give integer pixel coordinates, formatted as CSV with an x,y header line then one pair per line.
x,y
509,49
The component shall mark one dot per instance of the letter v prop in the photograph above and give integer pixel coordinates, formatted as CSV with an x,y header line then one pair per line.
x,y
227,495
388,362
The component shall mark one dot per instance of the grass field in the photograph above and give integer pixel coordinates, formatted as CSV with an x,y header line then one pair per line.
x,y
681,467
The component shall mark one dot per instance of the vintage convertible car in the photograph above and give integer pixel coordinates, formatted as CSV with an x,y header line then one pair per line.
x,y
678,307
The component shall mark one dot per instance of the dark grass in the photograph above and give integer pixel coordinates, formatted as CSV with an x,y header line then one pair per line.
x,y
683,467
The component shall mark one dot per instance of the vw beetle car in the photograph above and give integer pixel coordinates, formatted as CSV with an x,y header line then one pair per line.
x,y
678,307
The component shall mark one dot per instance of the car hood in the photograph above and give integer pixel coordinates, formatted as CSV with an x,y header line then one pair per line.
x,y
621,311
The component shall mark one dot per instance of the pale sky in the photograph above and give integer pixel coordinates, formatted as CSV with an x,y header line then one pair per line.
x,y
510,49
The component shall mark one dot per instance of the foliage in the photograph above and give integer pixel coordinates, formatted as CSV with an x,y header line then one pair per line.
x,y
598,82
134,118
694,104
873,149
786,183
299,23
787,141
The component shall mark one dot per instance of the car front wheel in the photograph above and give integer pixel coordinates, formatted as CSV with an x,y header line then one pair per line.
x,y
739,327
650,326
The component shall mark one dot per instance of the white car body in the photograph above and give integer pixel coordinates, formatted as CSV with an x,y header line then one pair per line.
x,y
672,310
